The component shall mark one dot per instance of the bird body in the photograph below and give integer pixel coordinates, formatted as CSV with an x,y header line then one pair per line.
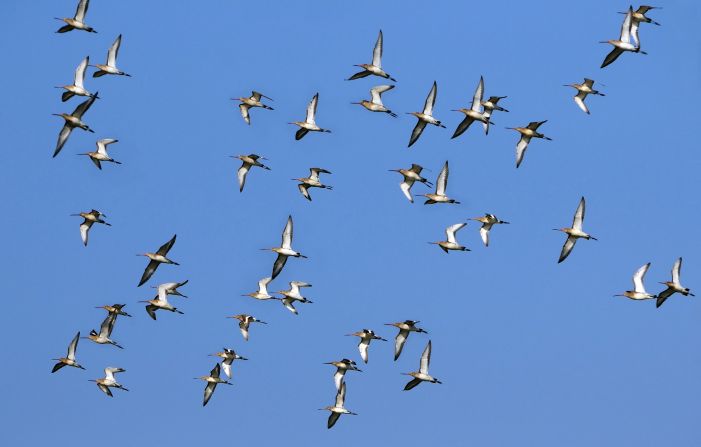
x,y
366,336
100,155
90,218
73,120
528,132
451,243
109,381
441,185
309,124
405,328
426,116
103,337
411,175
474,113
248,161
77,88
422,374
575,232
69,359
212,380
285,250
338,408
341,367
623,44
488,221
228,356
639,292
375,104
584,89
673,286
249,102
244,323
78,20
157,259
110,67
312,181
375,68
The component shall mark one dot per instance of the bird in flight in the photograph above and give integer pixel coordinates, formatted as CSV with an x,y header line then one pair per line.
x,y
110,67
422,374
73,120
639,292
426,116
309,124
375,68
249,102
89,218
285,250
69,359
673,286
528,132
78,20
575,232
157,259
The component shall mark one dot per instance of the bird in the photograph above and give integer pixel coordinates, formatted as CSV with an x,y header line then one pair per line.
x,y
244,322
528,132
262,293
114,309
103,338
110,67
251,101
101,154
228,356
411,175
375,68
673,286
405,328
489,106
575,232
639,17
73,120
451,243
488,221
338,408
78,87
312,182
285,250
441,185
109,381
248,161
425,117
78,20
309,124
160,303
341,367
294,294
638,292
422,374
89,218
375,103
584,89
69,359
474,113
171,288
366,336
157,259
212,380
623,43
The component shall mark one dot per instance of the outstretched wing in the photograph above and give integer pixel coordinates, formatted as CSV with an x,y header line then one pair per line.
x,y
430,100
148,272
442,180
425,359
113,51
578,219
521,147
377,52
412,383
278,265
567,248
165,248
399,341
311,109
416,133
241,174
244,113
80,72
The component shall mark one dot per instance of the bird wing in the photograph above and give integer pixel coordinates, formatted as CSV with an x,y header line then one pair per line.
x,y
84,229
377,52
412,383
626,26
363,348
484,233
263,285
521,147
226,366
676,270
148,272
113,51
338,378
73,346
241,174
300,134
83,107
416,168
567,248
578,219
287,234
80,72
477,98
463,126
278,265
612,56
243,325
534,125
579,100
430,100
96,163
425,359
589,82
376,93
442,180
107,325
165,248
416,133
215,371
288,304
304,189
102,145
638,277
405,186
62,138
81,10
151,311
244,113
105,389
333,417
257,95
311,109
399,341
451,230
662,296
208,391
341,395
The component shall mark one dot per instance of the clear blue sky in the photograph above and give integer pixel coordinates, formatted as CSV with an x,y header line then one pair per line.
x,y
530,352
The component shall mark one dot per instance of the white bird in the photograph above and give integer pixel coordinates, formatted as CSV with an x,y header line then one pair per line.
x,y
309,124
78,20
673,286
338,408
422,374
250,102
160,303
171,288
89,218
262,293
623,43
584,89
425,117
375,104
109,381
474,113
638,292
488,221
405,328
103,338
441,185
294,294
101,154
366,336
110,67
638,18
312,182
78,87
69,359
411,175
73,120
228,356
489,106
341,367
248,161
575,232
285,250
528,132
212,380
245,322
451,243
376,67
157,259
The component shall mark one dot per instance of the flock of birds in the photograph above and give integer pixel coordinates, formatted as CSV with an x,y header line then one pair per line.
x,y
480,110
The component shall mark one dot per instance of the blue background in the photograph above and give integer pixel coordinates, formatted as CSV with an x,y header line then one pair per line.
x,y
530,352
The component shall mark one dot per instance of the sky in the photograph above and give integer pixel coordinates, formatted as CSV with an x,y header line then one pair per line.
x,y
530,352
